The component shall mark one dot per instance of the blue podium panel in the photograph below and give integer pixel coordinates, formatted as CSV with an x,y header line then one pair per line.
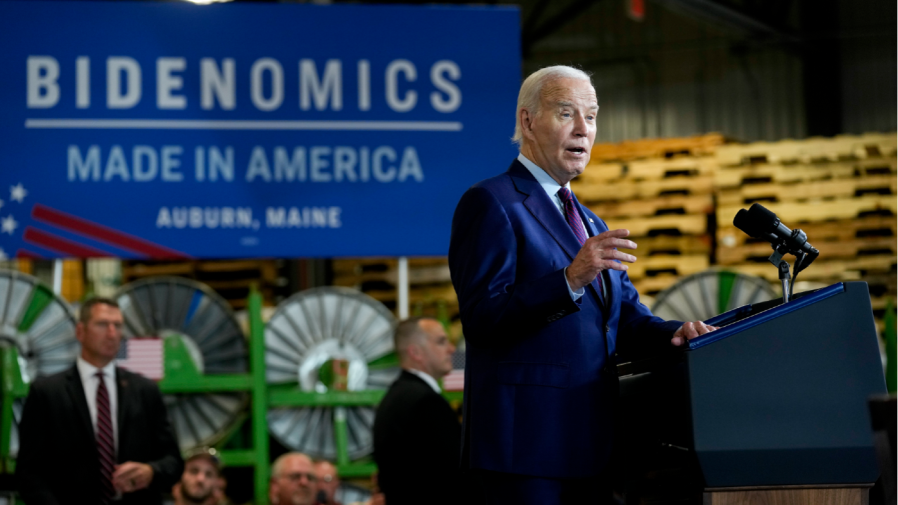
x,y
145,129
782,398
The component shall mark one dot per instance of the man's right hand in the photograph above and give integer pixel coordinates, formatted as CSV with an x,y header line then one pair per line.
x,y
598,253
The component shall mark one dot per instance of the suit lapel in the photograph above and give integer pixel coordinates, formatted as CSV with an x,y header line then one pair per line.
x,y
75,390
543,210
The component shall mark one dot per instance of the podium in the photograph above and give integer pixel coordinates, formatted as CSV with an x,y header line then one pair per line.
x,y
774,403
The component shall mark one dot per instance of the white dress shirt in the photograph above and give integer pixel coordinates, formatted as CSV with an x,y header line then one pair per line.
x,y
426,378
551,188
89,381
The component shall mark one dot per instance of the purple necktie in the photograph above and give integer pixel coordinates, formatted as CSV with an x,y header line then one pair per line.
x,y
573,219
105,444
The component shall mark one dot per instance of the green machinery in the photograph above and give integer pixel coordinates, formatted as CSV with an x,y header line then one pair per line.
x,y
37,337
220,389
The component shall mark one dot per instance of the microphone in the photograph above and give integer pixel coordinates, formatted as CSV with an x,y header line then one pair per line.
x,y
758,222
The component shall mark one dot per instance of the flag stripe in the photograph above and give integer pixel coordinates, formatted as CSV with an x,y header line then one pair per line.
x,y
144,356
25,253
61,245
102,233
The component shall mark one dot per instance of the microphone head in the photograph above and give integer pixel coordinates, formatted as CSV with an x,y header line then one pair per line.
x,y
763,217
757,221
743,222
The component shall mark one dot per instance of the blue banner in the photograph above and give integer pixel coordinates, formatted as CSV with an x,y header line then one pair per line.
x,y
143,130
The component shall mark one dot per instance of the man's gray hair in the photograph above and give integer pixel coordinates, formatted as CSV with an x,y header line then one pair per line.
x,y
532,88
278,466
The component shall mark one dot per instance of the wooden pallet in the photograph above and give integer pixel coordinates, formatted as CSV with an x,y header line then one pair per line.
x,y
759,252
668,205
792,213
805,151
833,188
701,145
881,284
653,169
667,265
361,265
426,298
734,177
839,230
626,189
232,279
651,286
354,273
826,271
420,275
671,246
689,224
670,168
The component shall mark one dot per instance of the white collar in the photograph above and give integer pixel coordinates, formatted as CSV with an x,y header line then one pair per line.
x,y
86,370
545,180
426,378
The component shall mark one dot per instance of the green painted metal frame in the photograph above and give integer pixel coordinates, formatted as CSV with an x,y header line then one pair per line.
x,y
13,387
182,376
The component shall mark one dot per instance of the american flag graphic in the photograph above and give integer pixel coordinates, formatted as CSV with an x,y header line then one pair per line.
x,y
52,233
455,380
143,356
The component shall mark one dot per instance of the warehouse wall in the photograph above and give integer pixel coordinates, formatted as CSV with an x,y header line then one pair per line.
x,y
869,67
673,76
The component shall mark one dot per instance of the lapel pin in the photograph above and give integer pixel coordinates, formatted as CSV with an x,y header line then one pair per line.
x,y
590,219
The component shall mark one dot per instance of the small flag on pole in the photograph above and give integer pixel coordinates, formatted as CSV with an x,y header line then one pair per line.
x,y
455,380
143,355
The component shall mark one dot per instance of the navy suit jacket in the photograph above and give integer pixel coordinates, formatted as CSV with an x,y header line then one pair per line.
x,y
58,462
539,385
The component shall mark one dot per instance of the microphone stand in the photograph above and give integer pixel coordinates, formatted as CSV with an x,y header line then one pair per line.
x,y
777,259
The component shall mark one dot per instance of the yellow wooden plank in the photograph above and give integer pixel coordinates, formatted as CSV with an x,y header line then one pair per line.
x,y
698,204
792,213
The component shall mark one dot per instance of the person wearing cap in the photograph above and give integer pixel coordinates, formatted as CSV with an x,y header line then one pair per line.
x,y
202,469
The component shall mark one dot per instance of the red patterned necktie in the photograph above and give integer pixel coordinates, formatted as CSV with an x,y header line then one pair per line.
x,y
576,223
105,444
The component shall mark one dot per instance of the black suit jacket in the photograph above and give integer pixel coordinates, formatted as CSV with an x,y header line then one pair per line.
x,y
417,441
58,461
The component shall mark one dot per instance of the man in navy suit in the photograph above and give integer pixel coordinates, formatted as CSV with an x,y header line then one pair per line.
x,y
546,304
63,421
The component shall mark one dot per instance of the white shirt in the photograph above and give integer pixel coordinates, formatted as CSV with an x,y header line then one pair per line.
x,y
426,378
551,188
90,382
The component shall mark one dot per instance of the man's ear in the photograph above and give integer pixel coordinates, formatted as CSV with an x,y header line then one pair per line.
x,y
79,331
413,351
526,123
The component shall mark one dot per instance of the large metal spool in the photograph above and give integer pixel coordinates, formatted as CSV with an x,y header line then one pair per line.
x,y
41,326
307,332
175,307
706,294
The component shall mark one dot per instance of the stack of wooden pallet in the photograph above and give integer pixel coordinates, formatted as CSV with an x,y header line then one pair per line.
x,y
660,190
840,191
430,287
229,278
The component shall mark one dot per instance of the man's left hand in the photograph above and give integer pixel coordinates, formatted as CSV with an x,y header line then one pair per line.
x,y
129,477
689,331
